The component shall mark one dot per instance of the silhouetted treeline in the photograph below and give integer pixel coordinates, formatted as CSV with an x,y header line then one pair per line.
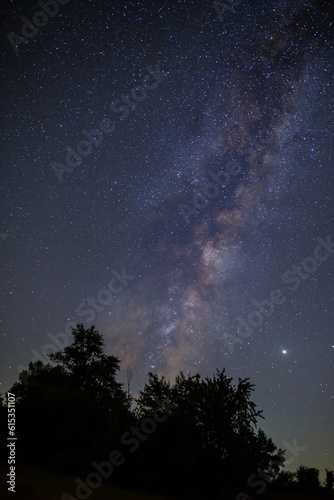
x,y
195,438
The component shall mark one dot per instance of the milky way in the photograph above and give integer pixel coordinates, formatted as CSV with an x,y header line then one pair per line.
x,y
195,271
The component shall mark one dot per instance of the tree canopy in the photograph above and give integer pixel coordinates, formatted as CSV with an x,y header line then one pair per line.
x,y
64,405
220,421
90,369
194,436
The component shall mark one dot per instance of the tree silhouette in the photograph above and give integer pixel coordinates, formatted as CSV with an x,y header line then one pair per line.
x,y
285,480
329,481
52,409
307,478
193,438
90,369
76,408
213,429
39,376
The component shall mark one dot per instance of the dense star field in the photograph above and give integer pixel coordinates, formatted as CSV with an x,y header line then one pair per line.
x,y
167,175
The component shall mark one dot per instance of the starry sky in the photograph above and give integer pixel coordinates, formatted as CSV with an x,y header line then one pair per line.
x,y
167,175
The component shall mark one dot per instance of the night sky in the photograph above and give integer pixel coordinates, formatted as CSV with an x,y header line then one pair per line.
x,y
167,175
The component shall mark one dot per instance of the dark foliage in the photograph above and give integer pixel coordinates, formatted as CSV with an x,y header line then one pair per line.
x,y
91,370
210,441
329,481
65,411
195,438
307,478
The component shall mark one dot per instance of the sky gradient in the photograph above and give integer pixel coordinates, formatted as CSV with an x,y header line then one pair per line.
x,y
167,175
